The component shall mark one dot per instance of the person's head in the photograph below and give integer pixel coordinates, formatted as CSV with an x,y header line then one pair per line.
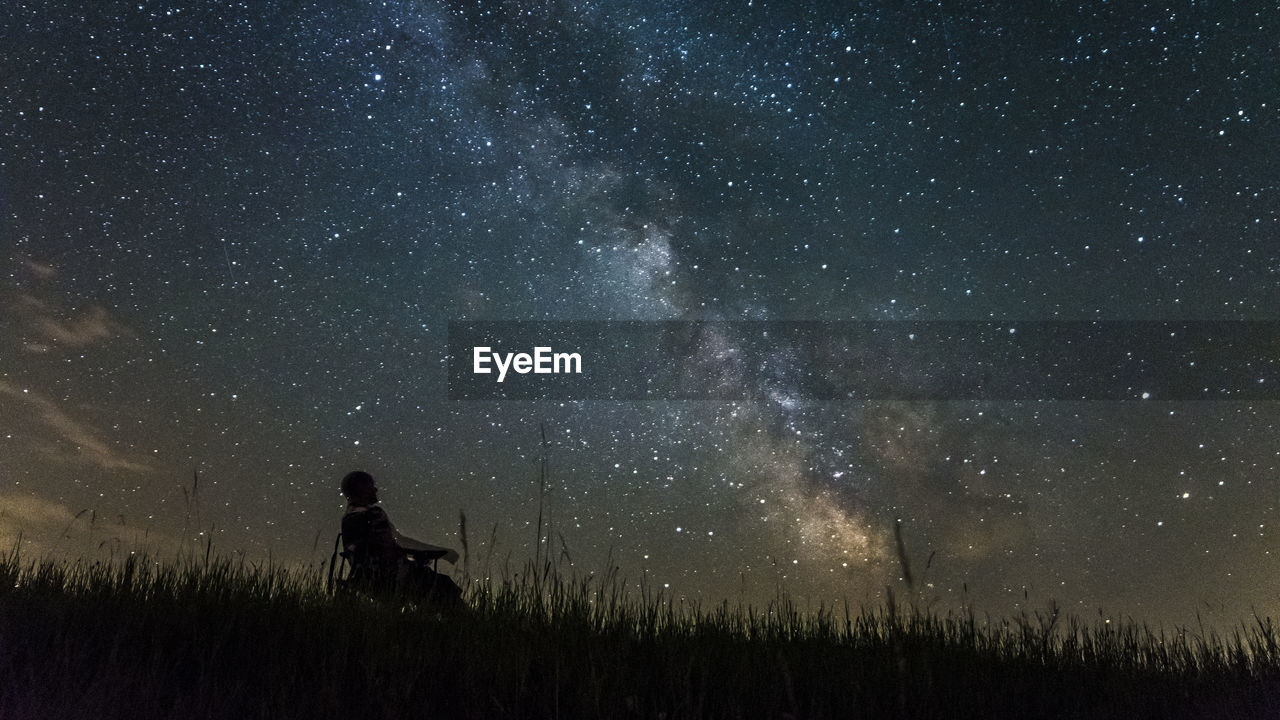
x,y
359,488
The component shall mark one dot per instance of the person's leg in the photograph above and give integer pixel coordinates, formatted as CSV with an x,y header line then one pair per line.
x,y
446,590
438,588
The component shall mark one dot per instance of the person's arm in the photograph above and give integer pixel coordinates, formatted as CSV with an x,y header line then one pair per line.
x,y
408,543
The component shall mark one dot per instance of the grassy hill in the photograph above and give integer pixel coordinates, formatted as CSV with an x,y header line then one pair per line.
x,y
215,639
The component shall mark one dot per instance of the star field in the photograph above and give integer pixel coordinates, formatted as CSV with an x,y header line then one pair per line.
x,y
235,233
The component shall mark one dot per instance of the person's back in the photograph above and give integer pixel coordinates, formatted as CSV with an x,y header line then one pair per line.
x,y
369,546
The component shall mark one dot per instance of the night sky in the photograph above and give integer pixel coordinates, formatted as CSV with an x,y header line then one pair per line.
x,y
234,234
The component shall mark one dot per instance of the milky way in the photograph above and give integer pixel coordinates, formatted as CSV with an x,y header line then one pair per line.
x,y
235,234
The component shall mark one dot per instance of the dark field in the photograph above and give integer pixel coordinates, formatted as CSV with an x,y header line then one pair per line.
x,y
215,639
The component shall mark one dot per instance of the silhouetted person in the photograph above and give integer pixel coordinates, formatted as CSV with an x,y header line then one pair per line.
x,y
381,558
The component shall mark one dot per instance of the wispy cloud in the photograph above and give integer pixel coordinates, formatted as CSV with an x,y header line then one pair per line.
x,y
48,325
41,270
88,445
77,331
44,526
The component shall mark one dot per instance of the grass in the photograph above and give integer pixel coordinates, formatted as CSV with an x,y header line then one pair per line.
x,y
212,638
